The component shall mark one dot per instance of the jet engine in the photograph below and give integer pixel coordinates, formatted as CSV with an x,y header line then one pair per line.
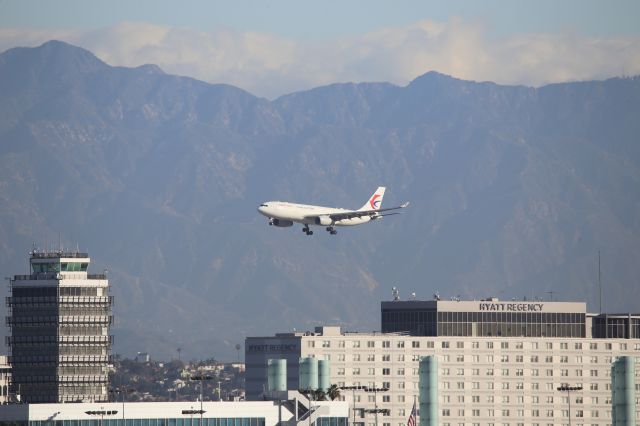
x,y
282,223
324,220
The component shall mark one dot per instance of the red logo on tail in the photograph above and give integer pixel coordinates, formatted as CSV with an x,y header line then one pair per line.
x,y
374,202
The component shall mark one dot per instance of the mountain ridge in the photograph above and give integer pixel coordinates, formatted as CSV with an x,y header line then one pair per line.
x,y
513,191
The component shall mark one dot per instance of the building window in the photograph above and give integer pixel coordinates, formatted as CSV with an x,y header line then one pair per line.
x,y
504,345
445,345
386,344
356,343
415,344
356,372
460,345
326,344
386,371
400,344
356,357
371,344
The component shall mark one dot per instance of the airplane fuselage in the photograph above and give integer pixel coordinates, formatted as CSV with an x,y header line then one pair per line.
x,y
307,214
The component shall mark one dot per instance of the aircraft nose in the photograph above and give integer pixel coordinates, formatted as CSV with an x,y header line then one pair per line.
x,y
262,208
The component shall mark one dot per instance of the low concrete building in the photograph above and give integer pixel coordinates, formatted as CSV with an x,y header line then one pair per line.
x,y
259,413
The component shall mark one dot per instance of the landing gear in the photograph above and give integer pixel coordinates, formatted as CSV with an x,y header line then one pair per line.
x,y
306,230
332,230
270,221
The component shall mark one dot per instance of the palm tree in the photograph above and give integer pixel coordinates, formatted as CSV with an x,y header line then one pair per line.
x,y
333,392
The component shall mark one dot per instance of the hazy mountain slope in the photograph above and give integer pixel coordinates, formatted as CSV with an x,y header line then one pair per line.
x,y
513,191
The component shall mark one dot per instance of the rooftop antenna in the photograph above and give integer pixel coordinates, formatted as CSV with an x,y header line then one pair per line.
x,y
599,281
551,293
413,296
436,295
395,294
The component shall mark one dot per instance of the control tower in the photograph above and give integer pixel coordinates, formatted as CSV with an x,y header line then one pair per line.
x,y
59,316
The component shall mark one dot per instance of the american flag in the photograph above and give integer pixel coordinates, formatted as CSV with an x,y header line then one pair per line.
x,y
412,417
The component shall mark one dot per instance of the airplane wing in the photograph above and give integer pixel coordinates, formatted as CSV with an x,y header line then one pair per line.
x,y
360,213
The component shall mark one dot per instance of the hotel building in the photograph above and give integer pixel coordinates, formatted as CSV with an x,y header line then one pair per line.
x,y
499,363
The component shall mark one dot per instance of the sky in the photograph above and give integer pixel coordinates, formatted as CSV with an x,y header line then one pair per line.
x,y
271,48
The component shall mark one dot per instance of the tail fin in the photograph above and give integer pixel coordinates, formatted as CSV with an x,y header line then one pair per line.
x,y
375,202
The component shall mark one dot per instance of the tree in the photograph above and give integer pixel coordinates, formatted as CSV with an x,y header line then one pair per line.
x,y
333,392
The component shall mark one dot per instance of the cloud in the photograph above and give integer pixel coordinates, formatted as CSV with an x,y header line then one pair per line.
x,y
269,65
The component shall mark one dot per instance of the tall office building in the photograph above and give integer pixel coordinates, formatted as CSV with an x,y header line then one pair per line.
x,y
499,363
59,316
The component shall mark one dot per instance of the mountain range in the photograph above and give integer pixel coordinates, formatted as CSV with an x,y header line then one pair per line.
x,y
514,190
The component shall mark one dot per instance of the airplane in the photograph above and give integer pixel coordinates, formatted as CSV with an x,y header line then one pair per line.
x,y
284,214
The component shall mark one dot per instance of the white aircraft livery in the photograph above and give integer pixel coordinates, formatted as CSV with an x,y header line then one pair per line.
x,y
283,214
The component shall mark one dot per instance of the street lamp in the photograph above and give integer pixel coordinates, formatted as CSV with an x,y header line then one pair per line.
x,y
353,395
568,390
375,398
202,378
122,391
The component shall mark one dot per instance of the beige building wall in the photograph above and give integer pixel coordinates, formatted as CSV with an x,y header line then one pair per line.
x,y
483,381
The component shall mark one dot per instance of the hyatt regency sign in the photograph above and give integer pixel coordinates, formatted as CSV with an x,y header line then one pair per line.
x,y
511,307
272,348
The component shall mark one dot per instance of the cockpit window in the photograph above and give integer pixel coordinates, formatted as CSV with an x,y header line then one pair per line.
x,y
263,205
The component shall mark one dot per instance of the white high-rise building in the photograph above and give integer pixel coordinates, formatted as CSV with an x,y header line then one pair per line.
x,y
59,319
500,363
